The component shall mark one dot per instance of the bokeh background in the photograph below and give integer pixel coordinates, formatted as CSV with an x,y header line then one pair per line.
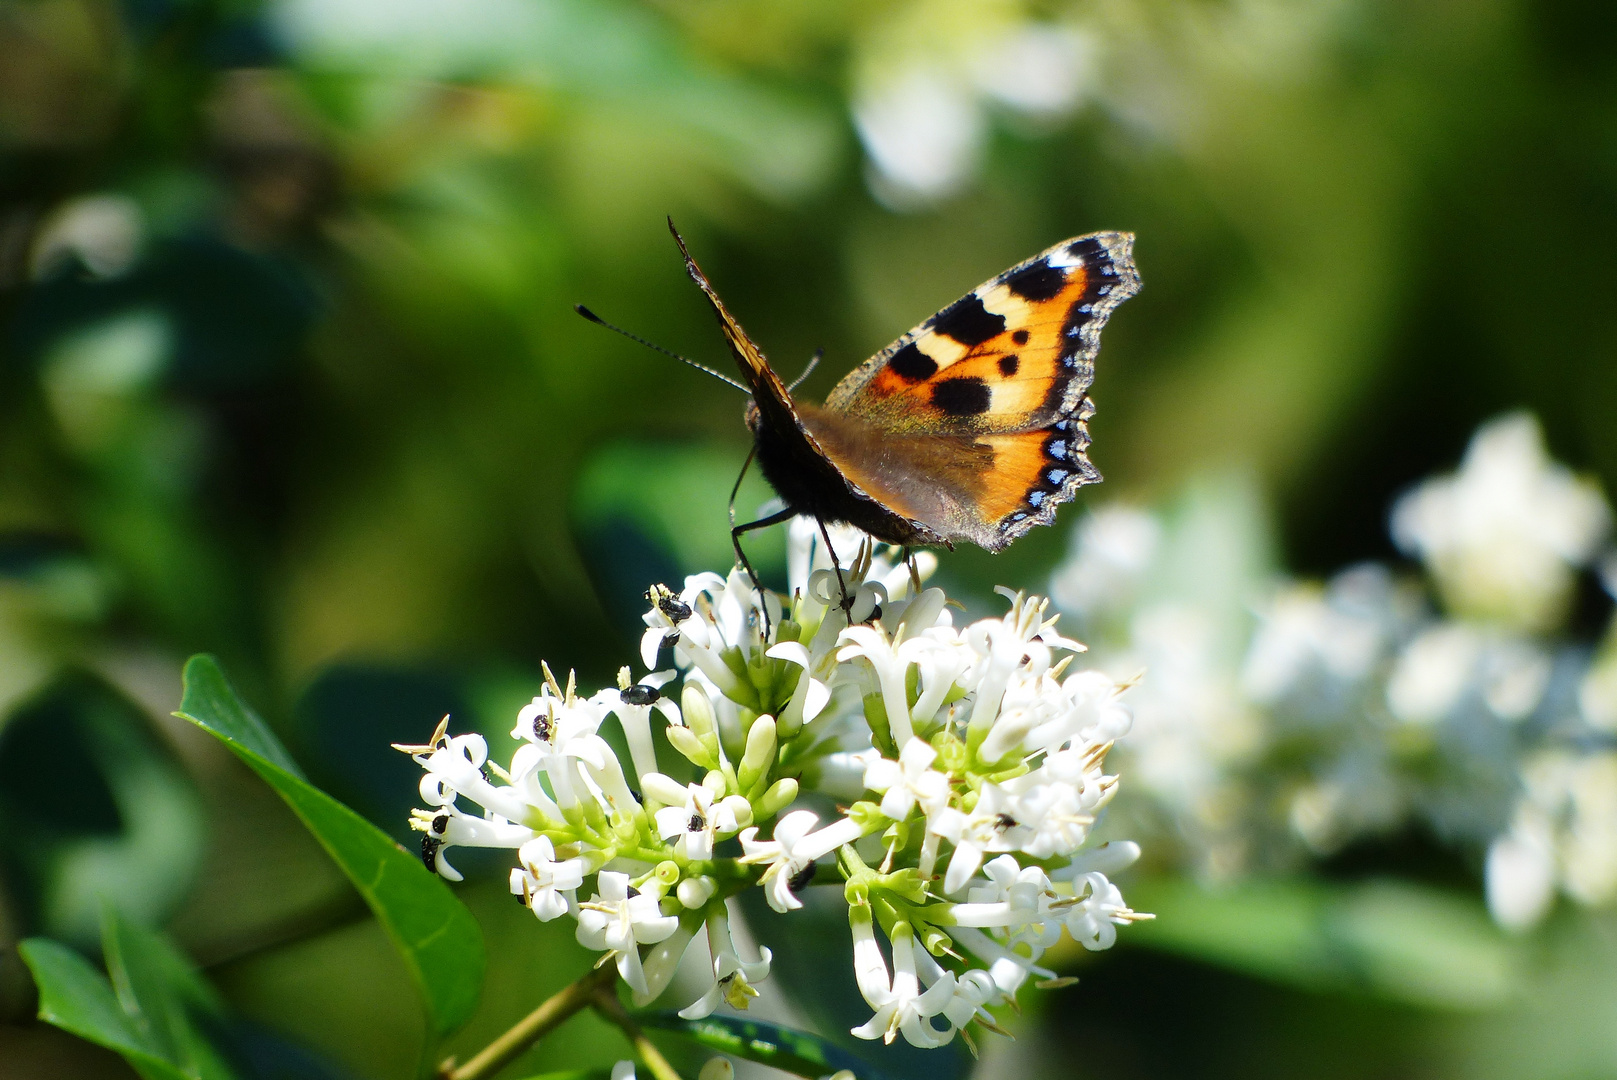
x,y
289,373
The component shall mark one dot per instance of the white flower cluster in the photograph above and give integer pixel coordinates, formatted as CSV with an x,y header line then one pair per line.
x,y
974,759
1354,701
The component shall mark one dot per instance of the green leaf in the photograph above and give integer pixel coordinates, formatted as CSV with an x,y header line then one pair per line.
x,y
432,930
574,1074
211,703
1398,940
162,994
768,1044
77,998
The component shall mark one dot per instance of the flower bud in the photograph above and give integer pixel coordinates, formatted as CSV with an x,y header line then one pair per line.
x,y
690,747
777,798
717,1069
664,789
697,710
696,892
760,753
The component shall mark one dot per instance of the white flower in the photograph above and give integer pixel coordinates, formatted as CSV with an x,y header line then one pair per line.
x,y
900,1004
545,884
1504,535
1003,646
792,852
619,919
1093,920
909,781
891,665
733,977
1520,877
699,819
632,704
989,827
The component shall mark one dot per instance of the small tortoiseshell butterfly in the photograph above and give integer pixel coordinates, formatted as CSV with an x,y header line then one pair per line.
x,y
972,426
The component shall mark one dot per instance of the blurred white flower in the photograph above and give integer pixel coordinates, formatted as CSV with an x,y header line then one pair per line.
x,y
103,233
1434,672
1306,629
1113,548
1564,833
1038,69
923,120
923,132
1504,536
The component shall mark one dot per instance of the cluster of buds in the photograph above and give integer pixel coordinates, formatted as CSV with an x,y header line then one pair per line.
x,y
965,766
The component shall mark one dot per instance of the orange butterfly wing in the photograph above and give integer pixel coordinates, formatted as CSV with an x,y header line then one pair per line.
x,y
974,423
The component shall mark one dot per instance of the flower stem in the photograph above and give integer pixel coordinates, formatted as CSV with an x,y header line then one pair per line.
x,y
607,1004
531,1028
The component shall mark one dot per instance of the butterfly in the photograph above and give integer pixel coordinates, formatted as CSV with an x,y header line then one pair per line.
x,y
971,427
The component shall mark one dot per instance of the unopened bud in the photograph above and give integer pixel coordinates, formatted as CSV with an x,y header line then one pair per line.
x,y
760,752
777,798
697,710
696,892
690,747
717,1069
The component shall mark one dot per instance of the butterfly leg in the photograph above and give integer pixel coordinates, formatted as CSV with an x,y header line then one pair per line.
x,y
907,555
736,489
735,541
836,564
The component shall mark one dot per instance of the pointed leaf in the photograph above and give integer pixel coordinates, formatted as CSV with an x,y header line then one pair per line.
x,y
768,1044
162,995
432,930
78,999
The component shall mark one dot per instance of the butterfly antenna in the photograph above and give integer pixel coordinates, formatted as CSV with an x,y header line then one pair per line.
x,y
594,318
814,362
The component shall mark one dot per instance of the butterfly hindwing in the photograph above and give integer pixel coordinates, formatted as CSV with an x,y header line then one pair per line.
x,y
1014,354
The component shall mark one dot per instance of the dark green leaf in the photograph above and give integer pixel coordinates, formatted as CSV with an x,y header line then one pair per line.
x,y
431,929
162,995
77,998
767,1044
211,702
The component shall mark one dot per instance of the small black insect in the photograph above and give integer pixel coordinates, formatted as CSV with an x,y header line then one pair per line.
x,y
697,823
801,878
429,852
541,727
640,694
673,607
1004,821
440,824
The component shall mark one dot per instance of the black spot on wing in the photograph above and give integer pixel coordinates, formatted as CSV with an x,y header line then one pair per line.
x,y
1041,281
962,397
912,364
968,322
1020,337
1009,364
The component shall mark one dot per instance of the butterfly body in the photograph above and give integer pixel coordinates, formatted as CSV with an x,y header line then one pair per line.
x,y
973,426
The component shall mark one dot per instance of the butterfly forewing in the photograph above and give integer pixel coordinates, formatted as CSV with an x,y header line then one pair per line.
x,y
1014,354
1000,376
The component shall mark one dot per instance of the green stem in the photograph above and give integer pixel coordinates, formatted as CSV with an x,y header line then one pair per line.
x,y
531,1028
607,1004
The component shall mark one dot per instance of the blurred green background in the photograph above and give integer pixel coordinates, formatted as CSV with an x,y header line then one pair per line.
x,y
288,373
